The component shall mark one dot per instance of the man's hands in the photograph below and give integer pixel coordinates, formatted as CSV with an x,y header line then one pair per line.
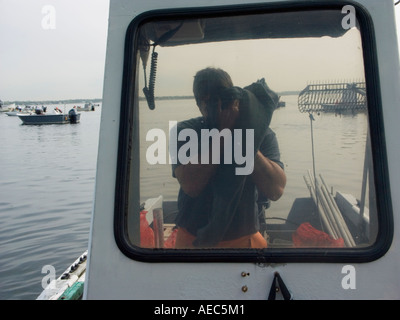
x,y
227,117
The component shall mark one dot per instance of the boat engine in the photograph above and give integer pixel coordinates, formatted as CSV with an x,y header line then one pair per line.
x,y
72,116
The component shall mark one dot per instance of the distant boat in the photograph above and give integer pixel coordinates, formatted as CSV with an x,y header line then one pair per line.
x,y
61,118
88,107
7,108
18,110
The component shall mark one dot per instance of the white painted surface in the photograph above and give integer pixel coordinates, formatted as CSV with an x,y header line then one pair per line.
x,y
111,275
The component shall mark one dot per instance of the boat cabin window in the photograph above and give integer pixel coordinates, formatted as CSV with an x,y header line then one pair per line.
x,y
252,133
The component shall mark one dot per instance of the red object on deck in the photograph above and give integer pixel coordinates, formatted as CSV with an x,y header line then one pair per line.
x,y
146,232
170,242
307,236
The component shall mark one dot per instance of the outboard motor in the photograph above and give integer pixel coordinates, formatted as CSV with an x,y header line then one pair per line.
x,y
72,116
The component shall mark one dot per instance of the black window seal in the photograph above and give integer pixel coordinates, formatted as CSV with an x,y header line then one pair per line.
x,y
269,255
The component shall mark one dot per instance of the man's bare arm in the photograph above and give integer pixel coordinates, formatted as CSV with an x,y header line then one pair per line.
x,y
268,176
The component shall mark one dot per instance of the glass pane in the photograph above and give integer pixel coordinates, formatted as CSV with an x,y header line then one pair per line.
x,y
274,150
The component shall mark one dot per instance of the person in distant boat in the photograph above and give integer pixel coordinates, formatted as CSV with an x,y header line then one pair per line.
x,y
216,207
38,110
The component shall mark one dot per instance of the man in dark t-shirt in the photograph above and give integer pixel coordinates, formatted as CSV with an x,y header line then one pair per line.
x,y
216,206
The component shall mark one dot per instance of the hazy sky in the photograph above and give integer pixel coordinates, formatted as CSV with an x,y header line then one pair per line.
x,y
286,64
63,58
43,60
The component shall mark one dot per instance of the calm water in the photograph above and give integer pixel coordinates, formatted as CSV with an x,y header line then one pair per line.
x,y
47,181
46,195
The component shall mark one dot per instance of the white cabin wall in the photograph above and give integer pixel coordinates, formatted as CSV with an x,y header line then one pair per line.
x,y
111,275
389,73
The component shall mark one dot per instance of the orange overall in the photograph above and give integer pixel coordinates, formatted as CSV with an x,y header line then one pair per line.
x,y
184,240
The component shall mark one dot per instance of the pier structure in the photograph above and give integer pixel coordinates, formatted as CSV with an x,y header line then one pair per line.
x,y
333,97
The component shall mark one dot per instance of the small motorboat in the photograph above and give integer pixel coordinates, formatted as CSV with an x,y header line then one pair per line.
x,y
38,119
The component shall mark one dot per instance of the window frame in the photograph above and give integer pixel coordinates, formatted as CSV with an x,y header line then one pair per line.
x,y
129,144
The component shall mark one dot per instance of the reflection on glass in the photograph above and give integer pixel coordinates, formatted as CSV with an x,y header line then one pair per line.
x,y
268,149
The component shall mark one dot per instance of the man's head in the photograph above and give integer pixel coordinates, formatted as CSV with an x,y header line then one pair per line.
x,y
208,85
